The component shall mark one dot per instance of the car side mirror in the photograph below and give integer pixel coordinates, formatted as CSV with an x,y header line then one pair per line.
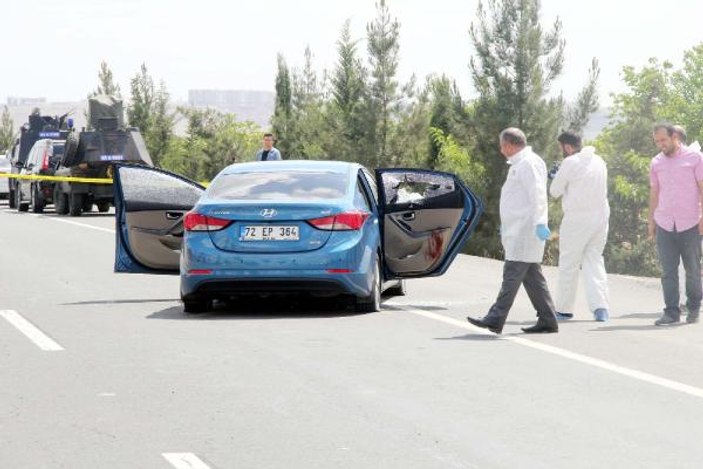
x,y
30,166
18,165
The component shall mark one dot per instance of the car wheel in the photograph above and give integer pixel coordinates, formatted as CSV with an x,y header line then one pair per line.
x,y
37,200
75,204
196,306
398,289
11,199
21,206
103,207
60,201
372,302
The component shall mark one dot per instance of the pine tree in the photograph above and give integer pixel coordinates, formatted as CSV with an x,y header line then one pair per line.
x,y
515,64
106,84
383,46
281,121
348,91
142,102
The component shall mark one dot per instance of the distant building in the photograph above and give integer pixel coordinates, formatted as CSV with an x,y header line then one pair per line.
x,y
256,106
18,101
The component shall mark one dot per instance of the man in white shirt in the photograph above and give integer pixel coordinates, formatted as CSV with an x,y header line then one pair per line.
x,y
523,218
582,182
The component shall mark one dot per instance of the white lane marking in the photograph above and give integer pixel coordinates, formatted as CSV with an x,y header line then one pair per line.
x,y
185,461
84,225
42,340
598,363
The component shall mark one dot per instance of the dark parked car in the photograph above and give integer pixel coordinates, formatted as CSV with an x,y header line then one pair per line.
x,y
42,160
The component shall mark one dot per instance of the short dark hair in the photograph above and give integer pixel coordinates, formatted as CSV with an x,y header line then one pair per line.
x,y
665,126
680,132
514,136
570,138
268,134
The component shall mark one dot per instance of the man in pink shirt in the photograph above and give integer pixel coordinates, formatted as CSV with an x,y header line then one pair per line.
x,y
675,200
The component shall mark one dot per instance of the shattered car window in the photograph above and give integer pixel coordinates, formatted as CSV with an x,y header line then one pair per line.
x,y
157,188
402,188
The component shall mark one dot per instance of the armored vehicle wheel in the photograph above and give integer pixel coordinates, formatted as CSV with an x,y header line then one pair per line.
x,y
11,199
103,207
60,201
87,204
75,204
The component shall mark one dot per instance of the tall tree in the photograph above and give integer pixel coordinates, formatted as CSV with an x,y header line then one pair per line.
x,y
142,100
578,114
7,130
308,117
161,122
281,121
514,66
448,114
383,46
106,82
348,91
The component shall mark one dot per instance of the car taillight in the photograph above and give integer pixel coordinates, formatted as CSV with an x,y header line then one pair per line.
x,y
199,222
347,221
45,163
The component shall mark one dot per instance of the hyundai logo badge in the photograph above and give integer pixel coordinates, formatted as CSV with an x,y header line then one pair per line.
x,y
268,212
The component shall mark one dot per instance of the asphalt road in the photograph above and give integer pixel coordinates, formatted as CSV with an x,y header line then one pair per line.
x,y
101,370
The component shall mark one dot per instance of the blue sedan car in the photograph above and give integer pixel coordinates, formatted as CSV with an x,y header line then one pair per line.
x,y
282,227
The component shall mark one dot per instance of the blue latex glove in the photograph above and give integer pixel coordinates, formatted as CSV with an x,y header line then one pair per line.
x,y
553,170
542,232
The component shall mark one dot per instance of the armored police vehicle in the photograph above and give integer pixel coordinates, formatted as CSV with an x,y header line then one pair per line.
x,y
91,154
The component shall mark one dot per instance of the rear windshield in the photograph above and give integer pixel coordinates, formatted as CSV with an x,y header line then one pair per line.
x,y
281,185
58,149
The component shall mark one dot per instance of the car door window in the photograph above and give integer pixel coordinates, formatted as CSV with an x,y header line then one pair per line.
x,y
427,215
150,190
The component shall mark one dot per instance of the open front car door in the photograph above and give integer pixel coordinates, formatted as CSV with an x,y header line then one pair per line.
x,y
426,218
149,207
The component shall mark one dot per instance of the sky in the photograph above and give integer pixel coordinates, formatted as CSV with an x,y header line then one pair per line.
x,y
53,49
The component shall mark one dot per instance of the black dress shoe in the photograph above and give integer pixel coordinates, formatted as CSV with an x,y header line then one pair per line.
x,y
541,328
491,326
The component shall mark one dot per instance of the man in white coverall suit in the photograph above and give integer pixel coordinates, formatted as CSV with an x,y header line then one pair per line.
x,y
582,182
523,218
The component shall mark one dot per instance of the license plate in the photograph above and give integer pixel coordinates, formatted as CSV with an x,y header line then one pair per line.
x,y
269,233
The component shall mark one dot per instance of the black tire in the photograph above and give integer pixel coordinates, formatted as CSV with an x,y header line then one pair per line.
x,y
87,204
21,206
70,150
11,199
60,201
75,204
103,207
372,302
37,200
196,306
397,290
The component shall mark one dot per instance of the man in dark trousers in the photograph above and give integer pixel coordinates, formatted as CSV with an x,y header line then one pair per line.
x,y
268,152
523,218
675,199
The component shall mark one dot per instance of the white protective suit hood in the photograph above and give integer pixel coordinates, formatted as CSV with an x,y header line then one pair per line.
x,y
523,206
582,180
